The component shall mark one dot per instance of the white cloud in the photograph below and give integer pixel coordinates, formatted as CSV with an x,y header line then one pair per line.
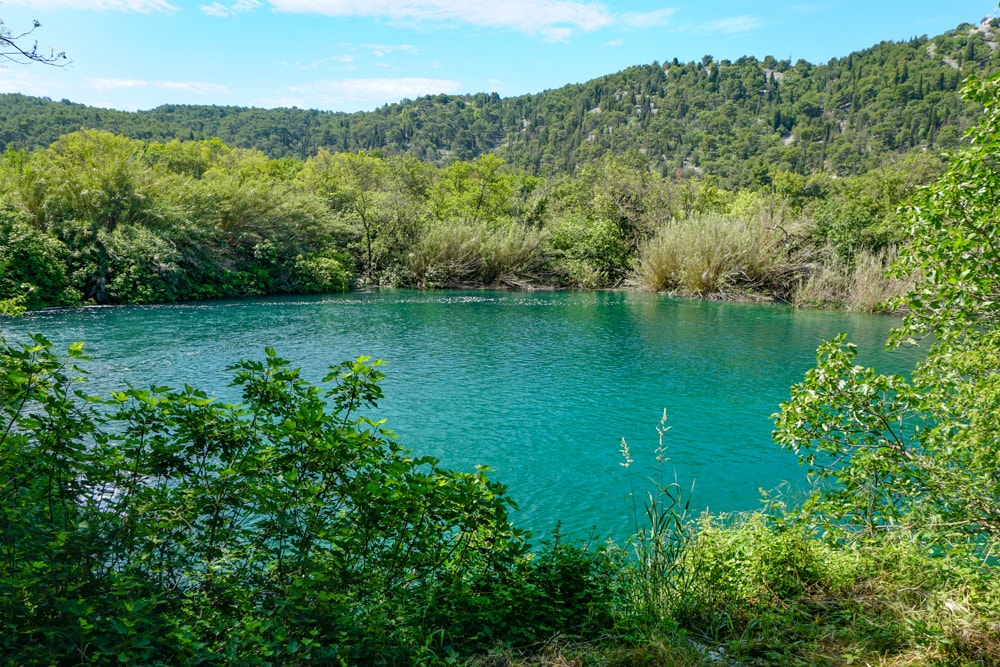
x,y
734,25
553,19
195,87
223,11
21,81
342,59
555,34
647,19
368,92
141,6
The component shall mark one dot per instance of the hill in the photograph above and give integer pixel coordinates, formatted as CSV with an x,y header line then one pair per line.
x,y
737,120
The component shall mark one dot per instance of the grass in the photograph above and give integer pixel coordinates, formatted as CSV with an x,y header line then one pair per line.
x,y
716,254
860,286
466,254
755,590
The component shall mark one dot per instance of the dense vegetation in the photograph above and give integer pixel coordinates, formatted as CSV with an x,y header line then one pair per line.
x,y
736,120
162,527
99,218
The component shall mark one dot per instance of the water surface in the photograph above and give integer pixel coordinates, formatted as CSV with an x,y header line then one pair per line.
x,y
541,387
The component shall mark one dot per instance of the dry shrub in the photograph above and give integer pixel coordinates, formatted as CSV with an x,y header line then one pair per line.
x,y
469,254
870,288
716,254
825,282
863,286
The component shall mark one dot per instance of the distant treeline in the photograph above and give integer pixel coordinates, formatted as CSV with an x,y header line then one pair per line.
x,y
739,121
101,218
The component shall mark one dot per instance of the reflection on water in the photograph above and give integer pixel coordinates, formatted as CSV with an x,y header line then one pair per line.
x,y
541,387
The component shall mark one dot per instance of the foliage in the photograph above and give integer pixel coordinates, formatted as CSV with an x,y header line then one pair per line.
x,y
921,452
323,273
954,251
161,526
32,265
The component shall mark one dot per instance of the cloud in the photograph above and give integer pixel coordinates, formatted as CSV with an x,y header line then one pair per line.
x,y
370,92
344,58
733,25
195,87
223,11
141,6
21,81
647,19
552,19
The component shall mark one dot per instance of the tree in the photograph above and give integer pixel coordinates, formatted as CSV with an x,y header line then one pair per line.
x,y
14,50
922,452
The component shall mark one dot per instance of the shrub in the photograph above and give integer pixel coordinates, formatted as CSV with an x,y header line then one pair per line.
x,y
590,253
323,272
714,254
32,266
163,527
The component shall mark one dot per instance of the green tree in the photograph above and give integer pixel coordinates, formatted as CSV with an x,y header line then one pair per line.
x,y
923,452
353,185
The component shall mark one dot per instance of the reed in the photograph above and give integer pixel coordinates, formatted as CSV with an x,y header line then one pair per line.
x,y
466,254
713,254
863,285
445,256
871,289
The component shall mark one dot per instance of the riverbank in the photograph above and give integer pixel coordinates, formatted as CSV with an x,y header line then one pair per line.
x,y
98,218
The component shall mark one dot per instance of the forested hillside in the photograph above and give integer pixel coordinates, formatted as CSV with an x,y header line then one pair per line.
x,y
737,120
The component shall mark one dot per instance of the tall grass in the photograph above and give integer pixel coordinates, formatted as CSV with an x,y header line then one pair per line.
x,y
445,256
871,289
465,254
862,285
714,254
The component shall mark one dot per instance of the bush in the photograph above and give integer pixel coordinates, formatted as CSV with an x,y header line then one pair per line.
x,y
32,266
715,254
323,272
590,253
163,527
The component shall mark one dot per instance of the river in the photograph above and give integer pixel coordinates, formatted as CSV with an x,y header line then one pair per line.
x,y
541,387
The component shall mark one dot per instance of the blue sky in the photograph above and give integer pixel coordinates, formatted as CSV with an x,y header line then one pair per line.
x,y
350,55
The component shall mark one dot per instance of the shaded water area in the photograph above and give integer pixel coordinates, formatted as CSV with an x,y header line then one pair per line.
x,y
541,387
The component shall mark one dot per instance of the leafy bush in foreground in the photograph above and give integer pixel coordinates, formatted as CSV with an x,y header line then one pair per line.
x,y
163,527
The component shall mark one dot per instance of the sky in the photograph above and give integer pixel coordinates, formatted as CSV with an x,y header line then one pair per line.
x,y
353,55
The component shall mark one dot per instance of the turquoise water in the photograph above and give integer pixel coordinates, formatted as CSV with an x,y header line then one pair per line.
x,y
541,387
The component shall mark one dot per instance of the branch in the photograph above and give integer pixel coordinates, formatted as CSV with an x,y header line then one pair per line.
x,y
12,51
